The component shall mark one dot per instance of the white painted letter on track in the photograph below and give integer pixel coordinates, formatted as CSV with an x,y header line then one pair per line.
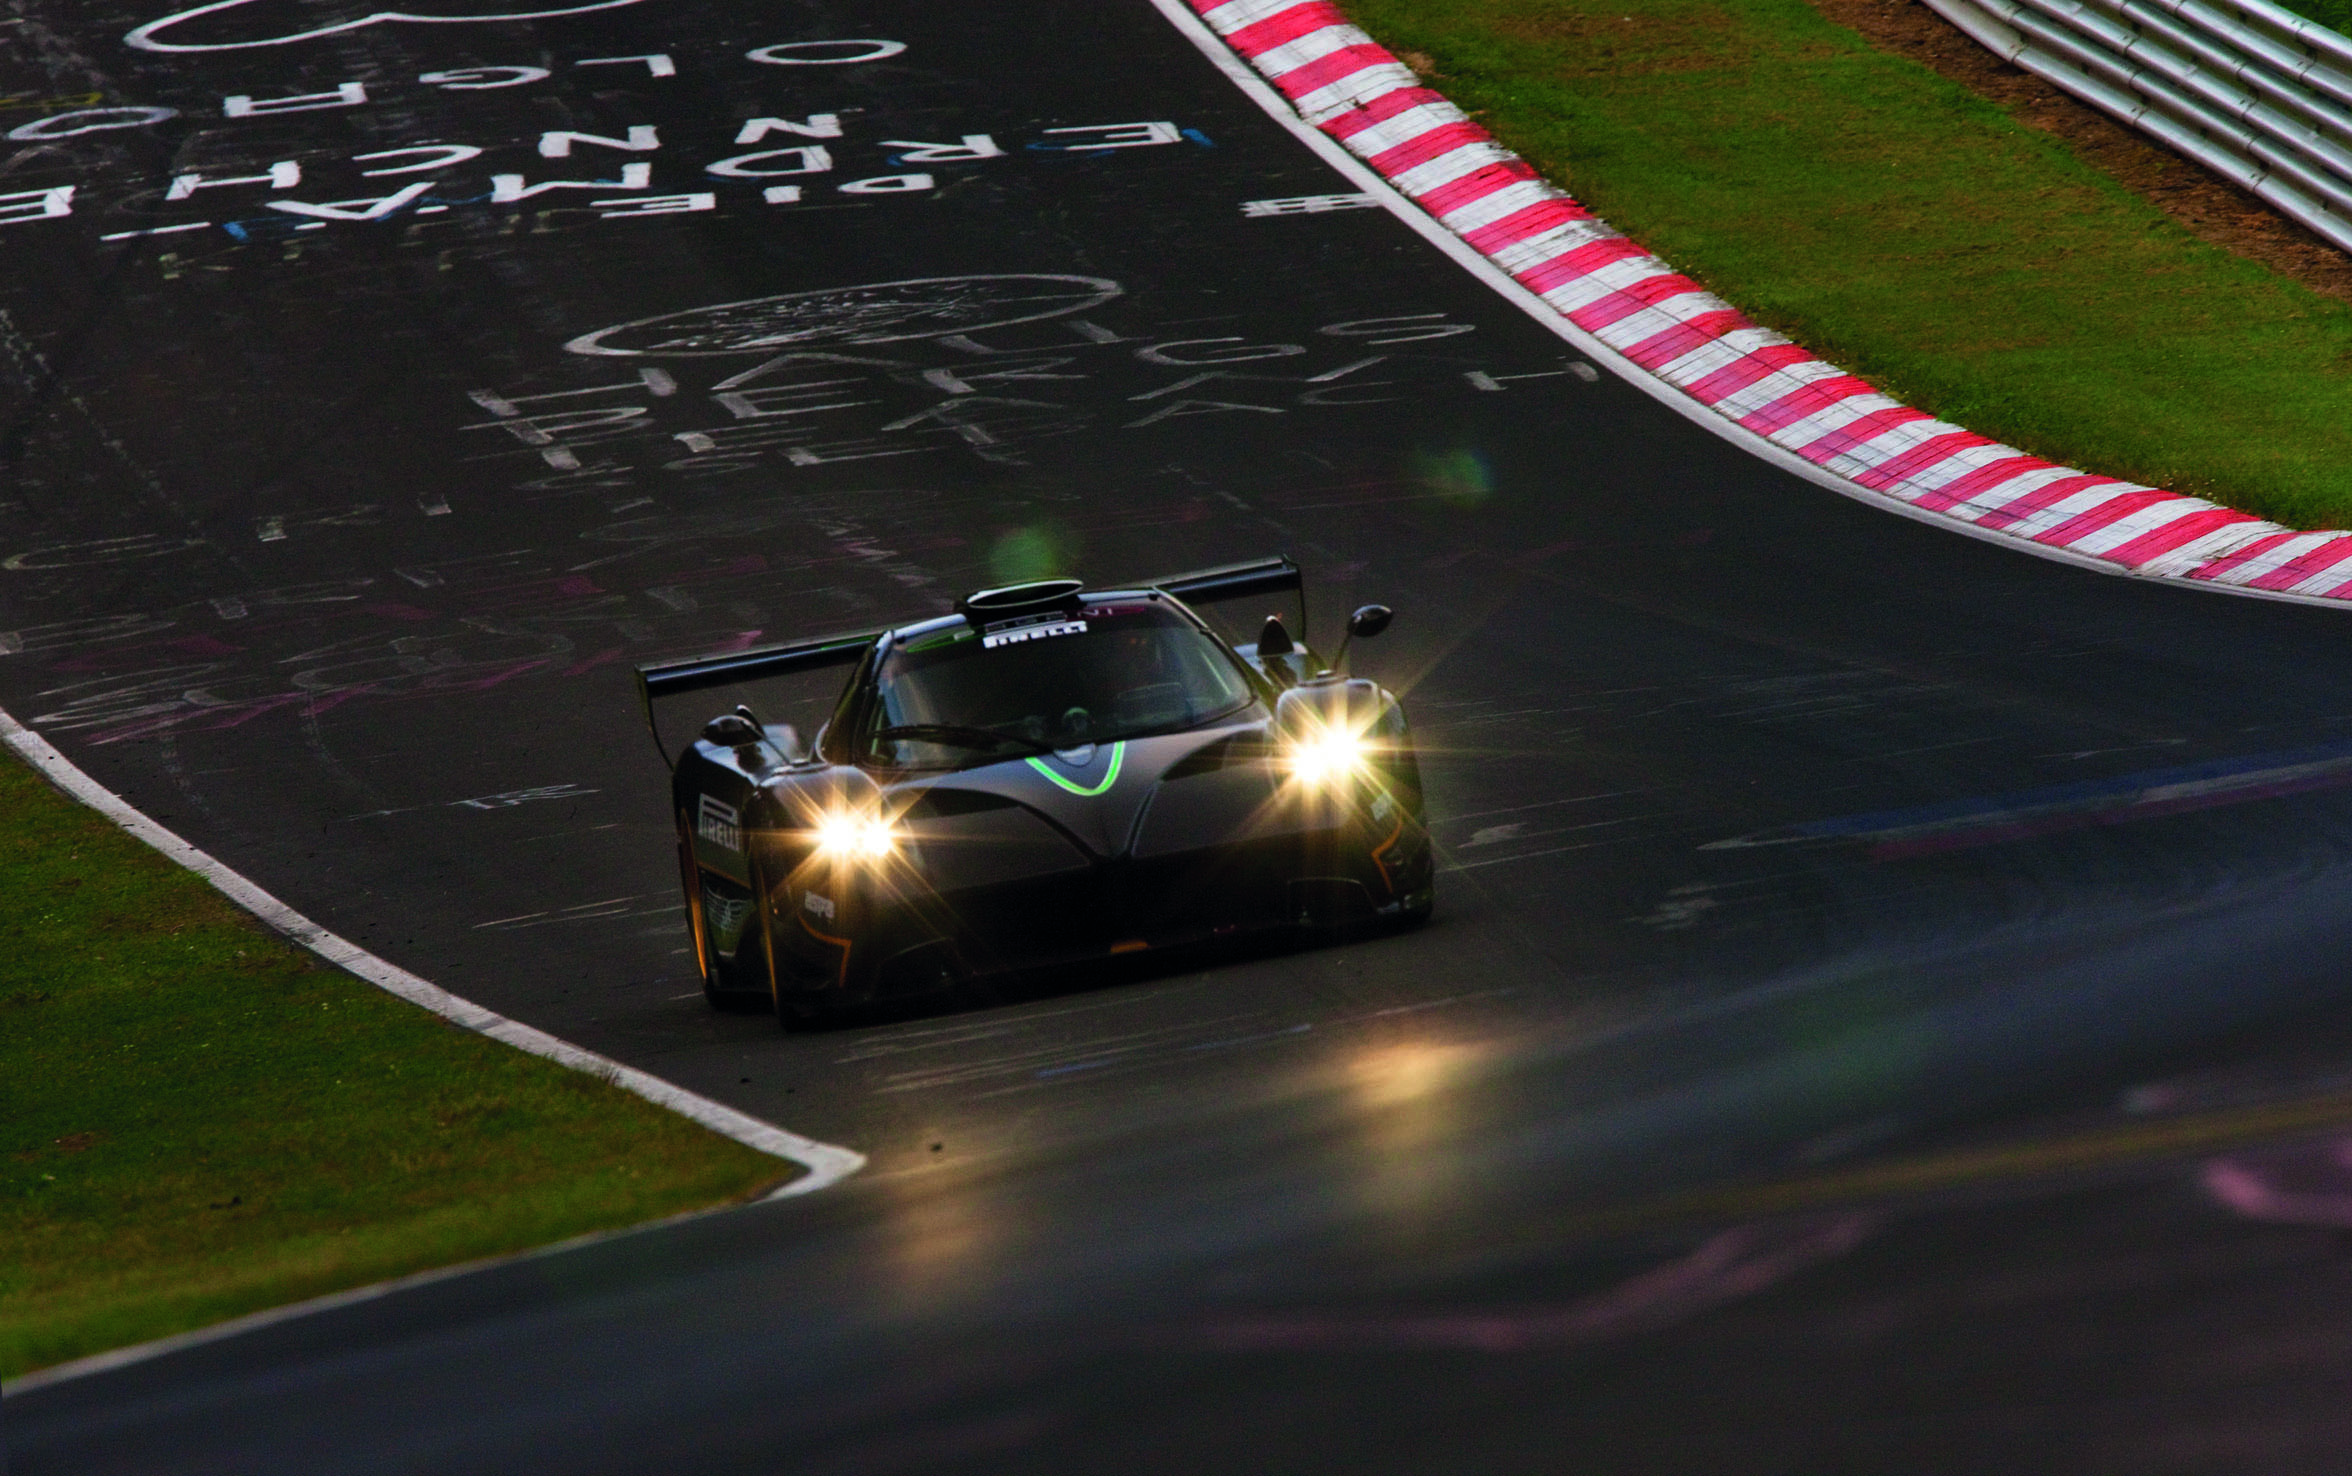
x,y
1411,328
505,189
809,159
1117,136
283,175
654,205
345,95
558,144
1159,353
962,381
824,53
786,361
542,430
89,120
482,79
774,401
173,32
887,184
819,125
658,382
1176,408
445,155
656,65
974,146
27,205
1306,205
374,209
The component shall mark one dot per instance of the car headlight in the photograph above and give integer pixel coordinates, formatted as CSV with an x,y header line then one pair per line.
x,y
854,836
1326,757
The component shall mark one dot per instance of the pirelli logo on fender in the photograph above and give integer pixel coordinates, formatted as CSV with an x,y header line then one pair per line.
x,y
1033,633
720,824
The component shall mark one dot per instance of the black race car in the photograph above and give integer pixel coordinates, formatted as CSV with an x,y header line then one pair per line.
x,y
1048,775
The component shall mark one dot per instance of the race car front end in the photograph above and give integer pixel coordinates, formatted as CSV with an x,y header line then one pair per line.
x,y
1047,776
1312,820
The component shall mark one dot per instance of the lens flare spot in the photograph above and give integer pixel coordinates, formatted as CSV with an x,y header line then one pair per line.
x,y
1042,551
1461,477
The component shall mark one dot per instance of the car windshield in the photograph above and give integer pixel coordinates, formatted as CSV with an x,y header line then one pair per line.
x,y
963,696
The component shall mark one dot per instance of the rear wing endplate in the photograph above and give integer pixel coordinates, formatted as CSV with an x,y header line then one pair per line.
x,y
672,678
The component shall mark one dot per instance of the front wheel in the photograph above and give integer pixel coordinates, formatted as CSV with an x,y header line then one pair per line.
x,y
801,1012
746,975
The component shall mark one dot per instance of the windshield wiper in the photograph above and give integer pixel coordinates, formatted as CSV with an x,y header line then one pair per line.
x,y
955,736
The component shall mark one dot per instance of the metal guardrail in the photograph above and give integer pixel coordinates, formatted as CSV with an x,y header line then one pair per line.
x,y
2255,93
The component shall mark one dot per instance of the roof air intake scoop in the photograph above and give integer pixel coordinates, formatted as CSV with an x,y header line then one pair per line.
x,y
1019,599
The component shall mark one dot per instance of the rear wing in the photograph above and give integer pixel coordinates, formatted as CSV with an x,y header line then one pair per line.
x,y
660,679
671,678
1277,575
1235,582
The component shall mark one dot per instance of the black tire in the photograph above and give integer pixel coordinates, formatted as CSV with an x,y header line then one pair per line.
x,y
802,1009
746,990
800,1012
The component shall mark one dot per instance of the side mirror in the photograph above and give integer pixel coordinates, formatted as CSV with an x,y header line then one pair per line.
x,y
742,731
1274,639
732,730
1367,622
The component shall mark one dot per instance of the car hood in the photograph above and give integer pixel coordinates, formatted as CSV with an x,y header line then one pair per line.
x,y
1096,796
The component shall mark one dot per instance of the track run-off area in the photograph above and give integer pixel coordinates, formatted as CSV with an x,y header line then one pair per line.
x,y
1861,955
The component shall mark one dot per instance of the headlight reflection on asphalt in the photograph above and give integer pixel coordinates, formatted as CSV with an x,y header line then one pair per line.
x,y
1408,1107
1394,1076
942,1229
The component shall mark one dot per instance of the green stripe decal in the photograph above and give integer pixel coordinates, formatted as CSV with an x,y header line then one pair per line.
x,y
1109,778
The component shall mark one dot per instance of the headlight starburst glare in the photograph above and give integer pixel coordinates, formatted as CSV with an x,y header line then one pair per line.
x,y
851,835
1326,756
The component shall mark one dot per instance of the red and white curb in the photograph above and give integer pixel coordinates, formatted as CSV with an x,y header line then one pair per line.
x,y
1662,330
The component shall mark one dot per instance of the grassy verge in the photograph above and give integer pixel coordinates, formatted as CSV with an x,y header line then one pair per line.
x,y
198,1120
2336,15
1898,224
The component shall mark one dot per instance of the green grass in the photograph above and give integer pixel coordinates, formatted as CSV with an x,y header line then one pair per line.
x,y
198,1120
2336,15
1896,223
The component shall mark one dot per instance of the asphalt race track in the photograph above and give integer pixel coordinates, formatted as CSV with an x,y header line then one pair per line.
x,y
1788,842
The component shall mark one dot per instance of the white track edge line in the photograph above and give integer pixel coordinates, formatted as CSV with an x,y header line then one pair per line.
x,y
827,1164
113,1358
1276,106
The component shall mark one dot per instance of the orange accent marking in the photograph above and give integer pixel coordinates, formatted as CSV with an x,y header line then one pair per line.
x,y
1132,945
1379,850
841,977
